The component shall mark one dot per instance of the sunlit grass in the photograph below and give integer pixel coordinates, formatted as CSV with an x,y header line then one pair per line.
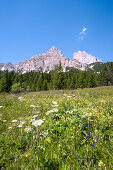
x,y
74,132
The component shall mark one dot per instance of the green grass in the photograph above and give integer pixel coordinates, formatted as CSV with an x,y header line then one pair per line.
x,y
77,132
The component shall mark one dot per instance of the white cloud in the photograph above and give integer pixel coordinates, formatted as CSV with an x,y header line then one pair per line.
x,y
83,33
81,38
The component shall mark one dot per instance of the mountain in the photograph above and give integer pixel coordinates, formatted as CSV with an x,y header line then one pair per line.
x,y
50,60
7,66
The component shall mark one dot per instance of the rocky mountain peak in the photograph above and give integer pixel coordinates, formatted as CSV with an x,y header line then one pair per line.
x,y
53,48
54,52
49,60
85,58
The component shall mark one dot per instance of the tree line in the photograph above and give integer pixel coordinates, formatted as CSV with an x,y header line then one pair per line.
x,y
56,79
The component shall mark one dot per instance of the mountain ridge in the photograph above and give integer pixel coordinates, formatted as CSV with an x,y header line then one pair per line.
x,y
50,60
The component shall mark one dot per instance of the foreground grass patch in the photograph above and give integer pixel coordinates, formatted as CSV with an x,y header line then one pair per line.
x,y
57,130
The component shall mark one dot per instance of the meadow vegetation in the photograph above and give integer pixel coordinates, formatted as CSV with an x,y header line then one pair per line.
x,y
57,129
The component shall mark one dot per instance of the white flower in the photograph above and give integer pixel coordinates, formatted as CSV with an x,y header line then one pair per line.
x,y
54,102
55,105
20,125
14,121
1,106
32,120
51,111
21,98
55,110
4,120
48,112
34,116
27,129
44,133
32,105
37,123
69,96
9,127
22,122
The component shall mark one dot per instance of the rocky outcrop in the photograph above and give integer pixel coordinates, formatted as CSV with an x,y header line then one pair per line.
x,y
85,58
7,66
49,60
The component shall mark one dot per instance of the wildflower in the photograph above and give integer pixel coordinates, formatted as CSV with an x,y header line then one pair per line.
x,y
54,102
32,105
100,163
4,120
21,98
35,116
27,129
48,140
37,123
68,96
97,138
32,120
27,154
89,134
44,133
16,158
1,106
22,122
9,127
20,125
55,110
51,111
14,121
93,144
59,145
55,105
108,106
89,124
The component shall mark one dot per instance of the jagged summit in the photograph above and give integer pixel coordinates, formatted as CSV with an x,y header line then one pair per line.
x,y
53,48
49,60
85,58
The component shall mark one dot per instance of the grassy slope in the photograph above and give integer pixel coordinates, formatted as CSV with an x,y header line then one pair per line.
x,y
63,137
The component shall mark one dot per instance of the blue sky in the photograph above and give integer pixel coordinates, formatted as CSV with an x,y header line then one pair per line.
x,y
30,27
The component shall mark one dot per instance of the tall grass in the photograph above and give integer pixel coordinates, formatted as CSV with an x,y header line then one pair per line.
x,y
75,132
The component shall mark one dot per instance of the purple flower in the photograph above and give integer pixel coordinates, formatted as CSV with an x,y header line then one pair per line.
x,y
89,134
108,106
97,137
89,124
93,144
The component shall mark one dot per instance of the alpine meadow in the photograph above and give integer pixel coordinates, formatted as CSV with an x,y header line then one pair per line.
x,y
56,84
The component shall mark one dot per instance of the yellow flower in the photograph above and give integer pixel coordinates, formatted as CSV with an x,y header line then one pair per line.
x,y
48,140
96,131
100,163
59,145
27,154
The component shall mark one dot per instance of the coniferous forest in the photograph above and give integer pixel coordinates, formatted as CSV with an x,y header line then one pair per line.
x,y
101,75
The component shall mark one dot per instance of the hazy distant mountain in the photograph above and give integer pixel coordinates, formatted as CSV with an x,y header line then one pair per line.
x,y
49,60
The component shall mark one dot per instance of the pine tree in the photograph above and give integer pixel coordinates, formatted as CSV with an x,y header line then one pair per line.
x,y
3,84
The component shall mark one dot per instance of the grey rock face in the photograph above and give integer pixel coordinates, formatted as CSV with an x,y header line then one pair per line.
x,y
7,66
49,60
85,58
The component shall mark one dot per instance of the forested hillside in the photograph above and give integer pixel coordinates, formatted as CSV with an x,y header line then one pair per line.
x,y
57,79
